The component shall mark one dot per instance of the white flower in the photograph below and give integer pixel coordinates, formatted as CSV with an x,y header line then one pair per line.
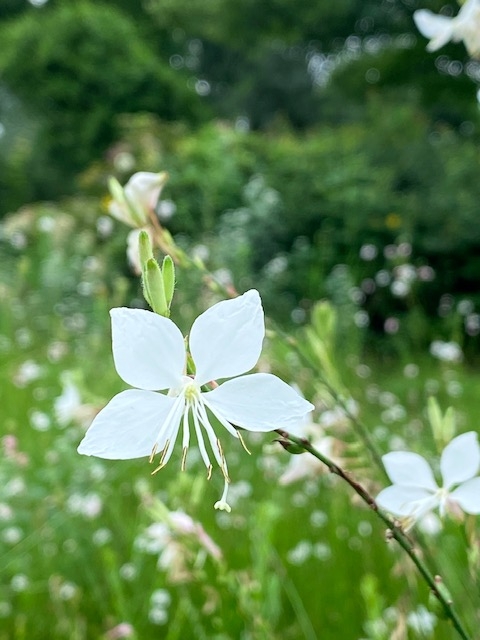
x,y
149,354
132,203
440,29
446,351
414,491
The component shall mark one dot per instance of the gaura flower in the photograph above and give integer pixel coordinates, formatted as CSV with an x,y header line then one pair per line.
x,y
414,492
149,354
440,29
132,203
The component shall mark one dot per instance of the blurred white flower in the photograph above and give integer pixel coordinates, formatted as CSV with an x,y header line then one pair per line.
x,y
122,630
68,406
180,544
446,351
422,621
149,353
414,492
88,505
132,203
441,29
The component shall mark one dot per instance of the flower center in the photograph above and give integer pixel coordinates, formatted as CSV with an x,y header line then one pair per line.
x,y
189,410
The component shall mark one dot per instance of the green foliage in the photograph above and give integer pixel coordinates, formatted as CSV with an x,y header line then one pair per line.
x,y
288,209
70,547
76,66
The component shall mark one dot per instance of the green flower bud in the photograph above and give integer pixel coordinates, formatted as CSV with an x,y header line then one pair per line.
x,y
291,447
144,248
168,271
153,280
116,190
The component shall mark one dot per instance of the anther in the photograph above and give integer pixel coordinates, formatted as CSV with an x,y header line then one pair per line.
x,y
184,457
243,443
164,452
154,451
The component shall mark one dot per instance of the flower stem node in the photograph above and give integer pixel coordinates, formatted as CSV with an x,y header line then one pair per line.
x,y
149,354
291,447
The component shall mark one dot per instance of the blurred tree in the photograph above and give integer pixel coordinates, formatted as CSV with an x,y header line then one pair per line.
x,y
75,67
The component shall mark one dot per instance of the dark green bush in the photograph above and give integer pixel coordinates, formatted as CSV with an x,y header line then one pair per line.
x,y
75,66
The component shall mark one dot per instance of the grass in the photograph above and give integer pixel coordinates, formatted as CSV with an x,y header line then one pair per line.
x,y
298,561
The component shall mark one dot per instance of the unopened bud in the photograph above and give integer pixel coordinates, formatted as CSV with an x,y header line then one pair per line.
x,y
145,249
168,272
154,287
291,447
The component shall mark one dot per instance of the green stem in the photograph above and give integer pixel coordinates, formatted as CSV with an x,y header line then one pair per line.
x,y
394,530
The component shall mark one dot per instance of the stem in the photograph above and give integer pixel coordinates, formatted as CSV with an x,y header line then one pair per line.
x,y
360,429
394,529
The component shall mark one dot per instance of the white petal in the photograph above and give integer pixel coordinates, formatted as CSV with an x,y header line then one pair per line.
x,y
128,426
409,469
258,402
460,459
437,28
468,496
148,349
226,340
406,501
143,189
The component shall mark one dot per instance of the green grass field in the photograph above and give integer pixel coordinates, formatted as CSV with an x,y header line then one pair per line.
x,y
303,560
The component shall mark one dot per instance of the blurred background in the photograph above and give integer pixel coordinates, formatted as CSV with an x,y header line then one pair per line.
x,y
315,150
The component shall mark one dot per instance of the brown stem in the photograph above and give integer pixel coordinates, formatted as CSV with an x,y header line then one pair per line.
x,y
395,531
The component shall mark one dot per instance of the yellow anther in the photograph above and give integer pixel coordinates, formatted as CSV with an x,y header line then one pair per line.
x,y
243,443
154,451
184,457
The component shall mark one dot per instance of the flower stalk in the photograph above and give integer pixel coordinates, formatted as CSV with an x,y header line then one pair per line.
x,y
394,531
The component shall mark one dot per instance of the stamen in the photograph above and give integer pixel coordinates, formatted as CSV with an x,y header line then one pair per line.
x,y
243,443
231,430
201,443
184,457
164,451
202,414
154,451
186,429
170,432
209,472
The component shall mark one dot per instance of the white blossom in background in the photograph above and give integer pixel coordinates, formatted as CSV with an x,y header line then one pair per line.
x,y
149,354
414,491
68,406
441,29
446,351
180,543
133,203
